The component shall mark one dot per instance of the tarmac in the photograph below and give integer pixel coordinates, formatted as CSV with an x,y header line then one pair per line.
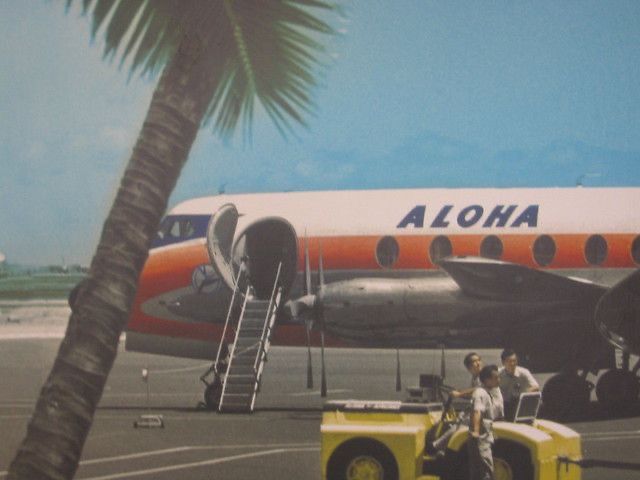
x,y
281,439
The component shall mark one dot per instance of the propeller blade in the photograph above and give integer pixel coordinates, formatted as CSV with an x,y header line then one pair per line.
x,y
323,382
309,368
443,366
320,267
307,267
398,378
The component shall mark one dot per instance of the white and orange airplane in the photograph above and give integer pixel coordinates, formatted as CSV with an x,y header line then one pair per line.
x,y
464,268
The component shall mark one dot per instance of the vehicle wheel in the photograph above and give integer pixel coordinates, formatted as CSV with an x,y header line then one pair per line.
x,y
456,465
618,389
511,461
362,459
212,394
565,396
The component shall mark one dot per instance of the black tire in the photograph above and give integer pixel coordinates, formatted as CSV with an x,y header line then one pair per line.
x,y
565,396
511,459
360,454
618,390
456,465
212,394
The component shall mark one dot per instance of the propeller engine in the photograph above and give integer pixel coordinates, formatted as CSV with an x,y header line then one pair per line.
x,y
307,307
617,314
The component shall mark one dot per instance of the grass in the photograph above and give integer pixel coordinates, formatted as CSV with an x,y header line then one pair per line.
x,y
38,286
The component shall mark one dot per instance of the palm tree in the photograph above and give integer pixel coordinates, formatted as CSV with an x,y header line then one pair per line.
x,y
216,57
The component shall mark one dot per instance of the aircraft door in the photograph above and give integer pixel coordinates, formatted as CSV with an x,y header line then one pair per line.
x,y
220,234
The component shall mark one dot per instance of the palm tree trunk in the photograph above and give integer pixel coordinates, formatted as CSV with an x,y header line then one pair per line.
x,y
64,411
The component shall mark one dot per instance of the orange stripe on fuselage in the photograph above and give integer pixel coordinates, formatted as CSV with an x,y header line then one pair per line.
x,y
359,253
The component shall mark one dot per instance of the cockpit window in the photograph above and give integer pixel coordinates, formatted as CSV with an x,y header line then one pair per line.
x,y
178,228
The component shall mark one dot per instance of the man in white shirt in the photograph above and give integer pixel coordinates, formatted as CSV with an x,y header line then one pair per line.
x,y
473,363
514,380
484,412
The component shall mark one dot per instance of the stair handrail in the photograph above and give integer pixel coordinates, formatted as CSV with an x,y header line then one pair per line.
x,y
269,315
233,348
272,299
236,288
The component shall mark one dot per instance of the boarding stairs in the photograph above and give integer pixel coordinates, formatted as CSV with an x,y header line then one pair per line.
x,y
249,351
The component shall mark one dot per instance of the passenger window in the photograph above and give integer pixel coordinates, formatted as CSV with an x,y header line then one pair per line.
x,y
544,250
635,250
387,252
440,248
491,247
595,250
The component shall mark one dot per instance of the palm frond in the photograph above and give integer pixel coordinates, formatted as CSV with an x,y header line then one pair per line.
x,y
265,49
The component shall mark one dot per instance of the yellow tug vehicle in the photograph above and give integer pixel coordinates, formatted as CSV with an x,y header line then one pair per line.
x,y
375,440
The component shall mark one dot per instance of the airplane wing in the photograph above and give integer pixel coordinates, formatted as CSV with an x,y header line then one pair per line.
x,y
497,280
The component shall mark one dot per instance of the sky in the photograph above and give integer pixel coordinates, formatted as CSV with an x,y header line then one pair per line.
x,y
417,94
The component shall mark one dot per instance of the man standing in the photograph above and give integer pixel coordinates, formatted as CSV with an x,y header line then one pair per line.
x,y
514,380
484,411
473,364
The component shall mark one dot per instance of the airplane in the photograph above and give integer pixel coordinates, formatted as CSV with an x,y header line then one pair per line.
x,y
539,270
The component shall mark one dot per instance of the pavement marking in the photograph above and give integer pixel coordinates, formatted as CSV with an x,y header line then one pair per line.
x,y
317,392
611,438
284,447
616,432
134,455
137,473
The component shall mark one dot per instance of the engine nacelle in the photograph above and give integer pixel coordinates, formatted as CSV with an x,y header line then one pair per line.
x,y
618,314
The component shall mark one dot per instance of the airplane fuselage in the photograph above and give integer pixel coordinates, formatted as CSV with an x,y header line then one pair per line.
x,y
381,252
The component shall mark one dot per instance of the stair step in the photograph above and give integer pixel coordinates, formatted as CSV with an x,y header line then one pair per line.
x,y
254,335
241,390
231,400
254,303
238,378
247,341
255,312
254,322
241,369
235,408
243,361
257,318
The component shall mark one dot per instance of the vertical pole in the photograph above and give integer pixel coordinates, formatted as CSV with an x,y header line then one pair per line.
x,y
309,368
148,395
398,378
323,382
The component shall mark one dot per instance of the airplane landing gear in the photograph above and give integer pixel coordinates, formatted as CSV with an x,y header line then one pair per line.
x,y
566,395
618,389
